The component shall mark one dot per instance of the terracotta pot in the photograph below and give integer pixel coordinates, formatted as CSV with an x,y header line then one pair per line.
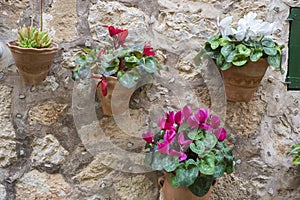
x,y
33,63
181,193
121,97
241,82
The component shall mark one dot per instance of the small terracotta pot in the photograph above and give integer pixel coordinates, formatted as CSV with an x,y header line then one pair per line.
x,y
181,193
33,63
121,97
241,82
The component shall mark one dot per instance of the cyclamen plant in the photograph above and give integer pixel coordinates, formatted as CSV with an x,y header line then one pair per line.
x,y
190,146
128,63
247,40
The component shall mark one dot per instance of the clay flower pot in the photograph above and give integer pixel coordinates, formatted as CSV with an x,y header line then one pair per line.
x,y
121,97
181,193
33,63
241,82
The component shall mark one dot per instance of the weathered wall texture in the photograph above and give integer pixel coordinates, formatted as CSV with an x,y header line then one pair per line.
x,y
42,156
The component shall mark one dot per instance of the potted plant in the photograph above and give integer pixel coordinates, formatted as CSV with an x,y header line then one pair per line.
x,y
33,52
295,150
243,52
118,63
191,151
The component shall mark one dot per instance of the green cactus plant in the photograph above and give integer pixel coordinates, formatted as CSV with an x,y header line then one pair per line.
x,y
30,37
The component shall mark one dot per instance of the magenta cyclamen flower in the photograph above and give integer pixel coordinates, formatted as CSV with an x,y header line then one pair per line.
x,y
182,156
186,112
203,114
148,137
183,143
193,121
163,147
220,133
170,117
169,136
164,125
178,118
215,121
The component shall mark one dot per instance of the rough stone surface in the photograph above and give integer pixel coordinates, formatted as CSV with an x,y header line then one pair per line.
x,y
63,23
7,133
245,118
230,185
46,132
37,185
45,113
2,192
93,171
47,150
134,187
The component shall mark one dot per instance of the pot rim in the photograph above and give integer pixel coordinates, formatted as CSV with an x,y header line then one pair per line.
x,y
12,44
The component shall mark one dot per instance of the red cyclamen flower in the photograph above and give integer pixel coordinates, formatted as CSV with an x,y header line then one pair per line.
x,y
104,84
114,31
148,50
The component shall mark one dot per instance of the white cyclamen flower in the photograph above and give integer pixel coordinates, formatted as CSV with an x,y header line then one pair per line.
x,y
225,27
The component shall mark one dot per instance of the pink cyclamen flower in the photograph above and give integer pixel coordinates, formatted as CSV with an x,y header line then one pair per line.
x,y
178,118
186,111
164,125
193,121
169,136
148,50
161,122
183,143
170,117
220,133
215,121
182,156
163,147
148,137
203,114
205,126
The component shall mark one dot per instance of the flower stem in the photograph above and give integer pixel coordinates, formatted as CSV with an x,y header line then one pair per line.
x,y
41,15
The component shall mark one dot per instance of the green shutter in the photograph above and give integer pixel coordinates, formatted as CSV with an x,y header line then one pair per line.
x,y
293,76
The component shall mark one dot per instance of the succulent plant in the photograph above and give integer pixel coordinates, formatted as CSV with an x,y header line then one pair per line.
x,y
30,37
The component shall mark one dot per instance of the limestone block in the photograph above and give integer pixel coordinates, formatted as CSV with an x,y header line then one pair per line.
x,y
7,132
2,192
42,186
245,118
133,187
62,19
93,171
118,15
46,113
48,150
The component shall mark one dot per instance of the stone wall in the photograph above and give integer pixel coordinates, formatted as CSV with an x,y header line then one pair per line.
x,y
44,153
